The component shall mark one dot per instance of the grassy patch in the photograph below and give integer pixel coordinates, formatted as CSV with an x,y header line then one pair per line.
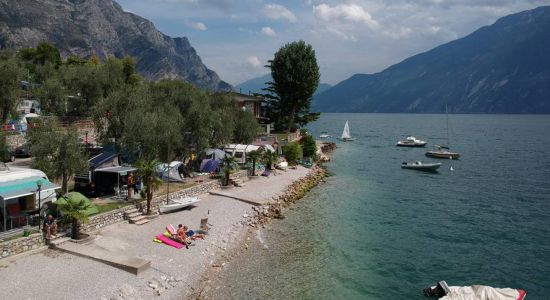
x,y
110,206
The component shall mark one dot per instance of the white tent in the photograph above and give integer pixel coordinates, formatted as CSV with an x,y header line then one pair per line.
x,y
169,172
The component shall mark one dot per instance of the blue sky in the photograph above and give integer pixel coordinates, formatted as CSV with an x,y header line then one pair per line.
x,y
235,38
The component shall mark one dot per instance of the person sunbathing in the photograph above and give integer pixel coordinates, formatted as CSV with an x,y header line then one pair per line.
x,y
192,235
181,236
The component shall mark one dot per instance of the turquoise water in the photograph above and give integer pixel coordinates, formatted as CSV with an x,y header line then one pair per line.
x,y
375,231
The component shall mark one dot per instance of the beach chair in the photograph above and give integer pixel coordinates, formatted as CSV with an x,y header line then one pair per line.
x,y
204,226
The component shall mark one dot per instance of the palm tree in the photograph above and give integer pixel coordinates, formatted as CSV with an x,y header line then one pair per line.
x,y
146,170
76,212
254,156
269,158
229,165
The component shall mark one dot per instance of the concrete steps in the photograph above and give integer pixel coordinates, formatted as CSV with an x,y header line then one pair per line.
x,y
236,181
135,217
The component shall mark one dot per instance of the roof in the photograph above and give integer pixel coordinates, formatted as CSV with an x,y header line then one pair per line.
x,y
240,147
23,187
102,158
239,97
120,170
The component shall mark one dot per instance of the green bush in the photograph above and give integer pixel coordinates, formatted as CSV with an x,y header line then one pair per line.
x,y
309,146
292,153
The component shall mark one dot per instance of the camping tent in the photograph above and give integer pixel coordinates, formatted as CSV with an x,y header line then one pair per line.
x,y
209,166
215,154
169,172
75,198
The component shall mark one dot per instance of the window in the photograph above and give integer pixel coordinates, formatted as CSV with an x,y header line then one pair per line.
x,y
238,154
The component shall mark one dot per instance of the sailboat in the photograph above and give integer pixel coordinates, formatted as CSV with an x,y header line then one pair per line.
x,y
444,151
346,137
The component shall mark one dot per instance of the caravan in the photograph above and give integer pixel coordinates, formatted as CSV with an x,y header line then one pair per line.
x,y
239,151
20,191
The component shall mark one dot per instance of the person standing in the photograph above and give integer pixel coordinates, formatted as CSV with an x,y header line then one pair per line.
x,y
130,183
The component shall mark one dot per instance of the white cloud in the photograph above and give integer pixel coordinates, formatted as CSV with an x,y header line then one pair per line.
x,y
278,12
198,26
254,62
268,31
344,13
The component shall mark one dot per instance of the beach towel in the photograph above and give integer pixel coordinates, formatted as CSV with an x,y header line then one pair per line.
x,y
169,242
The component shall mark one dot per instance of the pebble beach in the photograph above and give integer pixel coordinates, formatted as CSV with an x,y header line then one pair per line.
x,y
174,273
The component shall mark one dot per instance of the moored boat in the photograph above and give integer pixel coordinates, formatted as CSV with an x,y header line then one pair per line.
x,y
418,165
177,204
411,141
443,152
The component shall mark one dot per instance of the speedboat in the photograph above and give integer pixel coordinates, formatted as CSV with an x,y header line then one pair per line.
x,y
411,141
418,165
443,291
442,152
177,204
325,136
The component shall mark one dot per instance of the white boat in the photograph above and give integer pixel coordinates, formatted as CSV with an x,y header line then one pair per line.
x,y
346,136
411,141
418,165
177,204
325,136
282,165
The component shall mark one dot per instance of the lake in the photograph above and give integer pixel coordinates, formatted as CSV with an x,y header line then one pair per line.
x,y
376,231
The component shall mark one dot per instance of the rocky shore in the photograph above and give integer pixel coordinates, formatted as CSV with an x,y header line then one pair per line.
x,y
260,218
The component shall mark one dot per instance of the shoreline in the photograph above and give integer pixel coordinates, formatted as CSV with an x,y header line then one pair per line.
x,y
173,273
260,219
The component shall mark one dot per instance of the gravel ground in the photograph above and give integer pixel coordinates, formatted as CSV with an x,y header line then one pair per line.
x,y
174,273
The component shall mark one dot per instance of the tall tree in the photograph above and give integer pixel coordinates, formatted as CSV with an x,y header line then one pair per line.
x,y
295,76
57,151
147,171
10,77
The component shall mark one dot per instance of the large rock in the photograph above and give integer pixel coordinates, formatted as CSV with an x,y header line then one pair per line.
x,y
101,27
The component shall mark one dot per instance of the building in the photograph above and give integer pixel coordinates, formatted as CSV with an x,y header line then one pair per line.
x,y
252,104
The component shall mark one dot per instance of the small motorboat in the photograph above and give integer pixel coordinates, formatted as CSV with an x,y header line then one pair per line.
x,y
325,136
177,204
442,152
420,166
446,292
411,141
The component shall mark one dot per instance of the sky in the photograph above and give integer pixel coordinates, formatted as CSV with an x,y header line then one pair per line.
x,y
236,38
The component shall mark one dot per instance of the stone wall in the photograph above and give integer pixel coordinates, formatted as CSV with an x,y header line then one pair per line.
x,y
22,244
111,217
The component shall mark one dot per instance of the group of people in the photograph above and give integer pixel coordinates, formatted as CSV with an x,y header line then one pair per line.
x,y
186,236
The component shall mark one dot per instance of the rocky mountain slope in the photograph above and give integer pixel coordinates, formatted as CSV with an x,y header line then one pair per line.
x,y
502,68
255,85
101,27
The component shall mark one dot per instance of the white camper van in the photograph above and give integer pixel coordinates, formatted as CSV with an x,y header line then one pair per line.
x,y
20,191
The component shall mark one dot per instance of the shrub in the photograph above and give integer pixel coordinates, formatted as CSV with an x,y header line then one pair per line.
x,y
309,146
292,153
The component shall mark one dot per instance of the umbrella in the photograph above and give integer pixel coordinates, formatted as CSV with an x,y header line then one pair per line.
x,y
75,197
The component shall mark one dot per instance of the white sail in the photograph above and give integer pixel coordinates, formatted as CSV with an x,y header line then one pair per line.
x,y
345,133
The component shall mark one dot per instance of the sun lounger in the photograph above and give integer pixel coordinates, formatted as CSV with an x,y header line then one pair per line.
x,y
171,229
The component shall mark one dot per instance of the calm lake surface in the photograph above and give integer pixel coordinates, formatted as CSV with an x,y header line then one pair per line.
x,y
375,231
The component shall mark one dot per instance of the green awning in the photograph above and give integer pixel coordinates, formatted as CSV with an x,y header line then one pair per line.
x,y
23,187
75,197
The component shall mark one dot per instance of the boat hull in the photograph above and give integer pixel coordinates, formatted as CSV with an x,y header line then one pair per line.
x,y
401,144
177,204
346,139
422,167
443,154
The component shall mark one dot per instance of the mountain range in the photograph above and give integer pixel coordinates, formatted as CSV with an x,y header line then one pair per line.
x,y
255,85
103,28
501,68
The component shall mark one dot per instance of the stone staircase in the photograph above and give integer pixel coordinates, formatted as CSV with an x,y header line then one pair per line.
x,y
134,216
236,181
